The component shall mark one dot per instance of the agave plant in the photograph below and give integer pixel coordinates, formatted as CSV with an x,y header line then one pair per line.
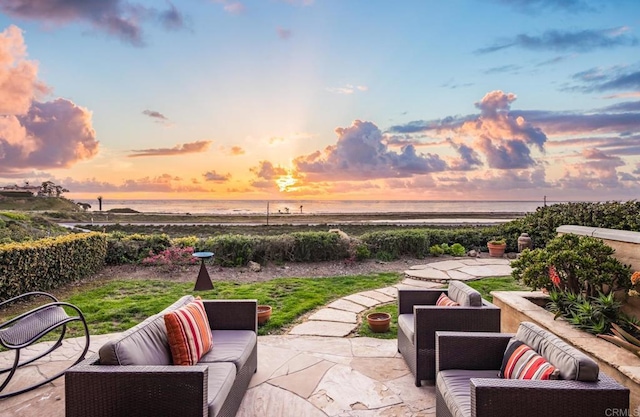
x,y
623,338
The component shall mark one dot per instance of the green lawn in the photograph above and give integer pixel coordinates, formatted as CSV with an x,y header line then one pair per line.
x,y
114,306
118,305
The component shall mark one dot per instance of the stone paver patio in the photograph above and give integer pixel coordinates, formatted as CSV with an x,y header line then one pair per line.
x,y
312,371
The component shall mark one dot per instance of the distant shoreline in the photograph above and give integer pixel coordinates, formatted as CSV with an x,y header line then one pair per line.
x,y
298,219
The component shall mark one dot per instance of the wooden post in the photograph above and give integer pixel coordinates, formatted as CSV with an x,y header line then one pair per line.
x,y
267,213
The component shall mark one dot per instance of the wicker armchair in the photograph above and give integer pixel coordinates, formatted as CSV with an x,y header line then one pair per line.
x,y
467,384
419,319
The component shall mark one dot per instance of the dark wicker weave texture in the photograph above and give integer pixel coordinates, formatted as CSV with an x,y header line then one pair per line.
x,y
419,353
96,390
509,397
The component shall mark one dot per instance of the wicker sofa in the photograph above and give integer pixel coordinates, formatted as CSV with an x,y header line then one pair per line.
x,y
467,382
134,375
419,318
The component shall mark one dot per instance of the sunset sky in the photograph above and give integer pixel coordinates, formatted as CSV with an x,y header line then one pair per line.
x,y
322,99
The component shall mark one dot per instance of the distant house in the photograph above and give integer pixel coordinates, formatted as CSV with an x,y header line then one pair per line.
x,y
19,191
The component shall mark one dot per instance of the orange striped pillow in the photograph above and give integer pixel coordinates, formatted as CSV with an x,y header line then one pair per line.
x,y
522,362
444,301
188,333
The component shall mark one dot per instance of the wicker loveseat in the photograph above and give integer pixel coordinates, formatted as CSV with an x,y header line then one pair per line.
x,y
419,318
467,382
134,375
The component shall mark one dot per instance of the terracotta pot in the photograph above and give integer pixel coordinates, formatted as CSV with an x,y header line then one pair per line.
x,y
496,251
379,322
264,313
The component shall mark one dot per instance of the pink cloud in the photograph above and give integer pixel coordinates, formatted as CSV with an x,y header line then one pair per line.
x,y
180,149
34,134
215,177
267,171
361,153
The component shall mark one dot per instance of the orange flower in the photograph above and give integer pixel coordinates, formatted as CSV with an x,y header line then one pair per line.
x,y
555,278
635,278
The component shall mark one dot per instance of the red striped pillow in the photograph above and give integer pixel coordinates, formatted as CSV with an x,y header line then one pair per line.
x,y
188,333
444,301
522,362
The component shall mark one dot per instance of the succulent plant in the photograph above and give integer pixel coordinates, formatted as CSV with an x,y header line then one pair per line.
x,y
623,338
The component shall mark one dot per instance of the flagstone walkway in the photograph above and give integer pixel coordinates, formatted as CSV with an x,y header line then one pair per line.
x,y
340,318
301,374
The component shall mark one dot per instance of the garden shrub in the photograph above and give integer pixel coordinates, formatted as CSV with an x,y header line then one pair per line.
x,y
126,249
542,224
362,252
436,250
394,244
230,250
458,250
578,264
49,263
171,258
319,246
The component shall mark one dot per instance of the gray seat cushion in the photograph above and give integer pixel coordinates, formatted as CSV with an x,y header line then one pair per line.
x,y
143,344
572,363
233,346
406,323
454,386
221,378
464,294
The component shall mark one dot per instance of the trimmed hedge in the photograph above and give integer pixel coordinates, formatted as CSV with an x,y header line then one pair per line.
x,y
238,250
49,263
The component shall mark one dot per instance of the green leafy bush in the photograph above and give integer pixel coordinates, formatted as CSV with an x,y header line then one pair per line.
x,y
319,246
458,250
413,242
436,250
542,224
125,249
230,250
49,263
580,264
362,252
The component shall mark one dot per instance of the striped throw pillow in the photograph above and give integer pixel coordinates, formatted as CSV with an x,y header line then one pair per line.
x,y
188,333
444,301
522,362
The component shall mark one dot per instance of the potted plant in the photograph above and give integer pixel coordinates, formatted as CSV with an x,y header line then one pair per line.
x,y
264,313
497,247
379,322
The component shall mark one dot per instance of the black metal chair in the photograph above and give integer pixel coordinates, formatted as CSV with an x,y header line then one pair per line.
x,y
28,328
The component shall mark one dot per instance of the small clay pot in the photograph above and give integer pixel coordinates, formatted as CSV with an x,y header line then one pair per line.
x,y
496,251
264,313
379,322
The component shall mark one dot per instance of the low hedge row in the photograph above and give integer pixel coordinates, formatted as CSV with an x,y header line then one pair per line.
x,y
49,263
238,250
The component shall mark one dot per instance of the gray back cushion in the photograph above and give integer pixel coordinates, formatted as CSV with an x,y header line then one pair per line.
x,y
572,363
464,294
144,344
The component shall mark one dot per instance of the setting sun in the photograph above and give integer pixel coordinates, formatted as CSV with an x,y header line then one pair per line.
x,y
286,183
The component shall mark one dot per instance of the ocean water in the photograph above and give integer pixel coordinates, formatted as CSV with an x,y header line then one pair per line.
x,y
317,206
